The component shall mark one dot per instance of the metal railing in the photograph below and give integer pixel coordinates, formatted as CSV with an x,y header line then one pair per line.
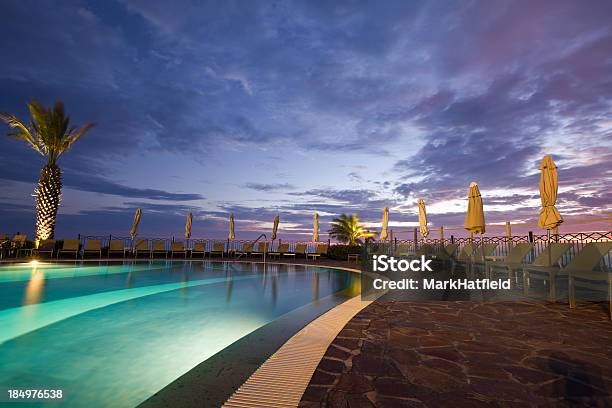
x,y
504,243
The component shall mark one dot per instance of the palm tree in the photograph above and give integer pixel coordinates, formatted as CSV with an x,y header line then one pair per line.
x,y
347,229
47,133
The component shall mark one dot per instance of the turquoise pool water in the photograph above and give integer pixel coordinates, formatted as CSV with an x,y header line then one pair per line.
x,y
114,334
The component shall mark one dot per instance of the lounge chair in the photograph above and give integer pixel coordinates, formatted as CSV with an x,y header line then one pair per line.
x,y
404,250
583,268
19,245
178,248
446,253
546,265
246,249
71,246
465,253
280,250
198,248
482,252
321,250
262,249
46,246
159,247
218,248
5,243
425,249
117,246
142,246
300,249
511,262
93,246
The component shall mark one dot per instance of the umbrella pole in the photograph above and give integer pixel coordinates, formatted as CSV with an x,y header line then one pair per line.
x,y
549,254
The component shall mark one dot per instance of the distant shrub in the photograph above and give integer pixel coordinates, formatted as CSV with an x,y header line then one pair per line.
x,y
341,252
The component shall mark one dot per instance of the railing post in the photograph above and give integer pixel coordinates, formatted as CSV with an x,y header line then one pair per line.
x,y
442,234
530,236
452,239
416,237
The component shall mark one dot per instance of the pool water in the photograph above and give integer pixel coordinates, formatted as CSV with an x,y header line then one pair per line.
x,y
114,334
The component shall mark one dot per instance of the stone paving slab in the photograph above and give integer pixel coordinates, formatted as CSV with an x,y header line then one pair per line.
x,y
468,354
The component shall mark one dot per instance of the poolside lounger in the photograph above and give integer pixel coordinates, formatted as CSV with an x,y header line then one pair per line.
x,y
218,248
262,249
300,249
178,248
71,246
465,253
512,261
198,248
93,246
117,246
446,253
481,252
4,244
584,268
425,249
46,246
246,249
159,247
142,246
280,250
546,266
404,250
321,250
19,245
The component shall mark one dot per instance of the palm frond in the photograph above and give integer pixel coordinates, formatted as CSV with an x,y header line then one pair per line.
x,y
22,133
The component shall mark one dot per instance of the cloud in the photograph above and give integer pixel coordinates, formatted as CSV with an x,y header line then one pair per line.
x,y
269,187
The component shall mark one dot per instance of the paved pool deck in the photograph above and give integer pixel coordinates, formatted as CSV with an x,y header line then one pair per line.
x,y
468,354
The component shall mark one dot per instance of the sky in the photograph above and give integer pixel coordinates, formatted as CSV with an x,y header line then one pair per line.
x,y
267,107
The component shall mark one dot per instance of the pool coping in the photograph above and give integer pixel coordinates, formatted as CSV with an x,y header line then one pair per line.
x,y
215,379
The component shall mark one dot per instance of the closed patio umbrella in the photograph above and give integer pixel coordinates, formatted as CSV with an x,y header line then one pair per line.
x,y
134,230
549,215
275,227
423,219
474,220
232,233
188,223
385,224
315,227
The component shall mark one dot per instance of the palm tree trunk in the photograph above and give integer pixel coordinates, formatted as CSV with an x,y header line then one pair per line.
x,y
48,194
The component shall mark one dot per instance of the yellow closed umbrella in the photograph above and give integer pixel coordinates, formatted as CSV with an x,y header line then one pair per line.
x,y
134,229
475,220
188,223
385,224
315,227
549,215
423,219
232,233
275,227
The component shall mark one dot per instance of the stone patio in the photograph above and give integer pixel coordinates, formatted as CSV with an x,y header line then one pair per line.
x,y
468,354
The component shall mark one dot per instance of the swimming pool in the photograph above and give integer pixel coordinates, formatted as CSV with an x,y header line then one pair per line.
x,y
114,334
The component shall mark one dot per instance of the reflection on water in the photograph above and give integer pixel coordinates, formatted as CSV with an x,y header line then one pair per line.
x,y
35,287
315,287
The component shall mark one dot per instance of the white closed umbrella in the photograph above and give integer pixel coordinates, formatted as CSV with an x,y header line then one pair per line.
x,y
315,227
134,229
275,227
188,223
385,224
423,219
232,233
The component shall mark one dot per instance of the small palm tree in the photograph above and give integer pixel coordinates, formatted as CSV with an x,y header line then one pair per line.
x,y
347,229
49,134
